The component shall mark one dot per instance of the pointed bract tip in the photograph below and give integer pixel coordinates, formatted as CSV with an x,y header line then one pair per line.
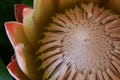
x,y
15,71
19,10
10,28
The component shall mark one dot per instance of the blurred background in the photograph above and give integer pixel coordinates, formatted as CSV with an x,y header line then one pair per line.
x,y
6,50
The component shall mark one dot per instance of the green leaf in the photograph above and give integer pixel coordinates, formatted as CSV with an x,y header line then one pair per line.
x,y
4,75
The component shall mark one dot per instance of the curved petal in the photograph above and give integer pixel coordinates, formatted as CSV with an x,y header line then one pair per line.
x,y
24,55
43,10
15,33
29,26
15,71
27,61
18,11
115,5
26,12
39,18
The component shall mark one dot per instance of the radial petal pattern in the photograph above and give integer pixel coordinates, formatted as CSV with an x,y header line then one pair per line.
x,y
82,44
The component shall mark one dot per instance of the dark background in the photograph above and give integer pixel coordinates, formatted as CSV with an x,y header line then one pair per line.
x,y
6,50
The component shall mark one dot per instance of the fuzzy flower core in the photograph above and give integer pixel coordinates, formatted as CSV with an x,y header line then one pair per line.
x,y
82,44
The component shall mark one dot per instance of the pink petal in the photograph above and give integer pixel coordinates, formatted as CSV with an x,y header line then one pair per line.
x,y
29,26
24,53
15,71
20,57
26,13
15,33
18,11
27,61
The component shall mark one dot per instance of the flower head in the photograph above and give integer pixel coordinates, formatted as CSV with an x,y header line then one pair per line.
x,y
82,42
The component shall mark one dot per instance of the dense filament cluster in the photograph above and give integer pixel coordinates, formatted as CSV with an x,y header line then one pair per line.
x,y
82,44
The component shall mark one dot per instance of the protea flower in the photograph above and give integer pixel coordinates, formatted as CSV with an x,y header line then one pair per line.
x,y
66,40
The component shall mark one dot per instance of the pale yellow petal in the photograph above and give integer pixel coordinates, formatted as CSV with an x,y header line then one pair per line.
x,y
29,26
43,10
35,20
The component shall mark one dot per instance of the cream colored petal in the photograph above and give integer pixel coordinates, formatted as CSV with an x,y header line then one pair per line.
x,y
27,61
114,5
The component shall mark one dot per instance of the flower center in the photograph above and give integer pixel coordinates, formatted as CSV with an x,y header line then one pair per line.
x,y
83,43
